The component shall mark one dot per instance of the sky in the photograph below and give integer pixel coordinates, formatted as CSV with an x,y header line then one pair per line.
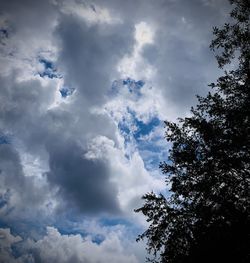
x,y
85,87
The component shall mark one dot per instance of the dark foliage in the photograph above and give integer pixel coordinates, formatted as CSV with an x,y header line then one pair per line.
x,y
206,216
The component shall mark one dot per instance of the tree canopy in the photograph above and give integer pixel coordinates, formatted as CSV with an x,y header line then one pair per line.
x,y
206,216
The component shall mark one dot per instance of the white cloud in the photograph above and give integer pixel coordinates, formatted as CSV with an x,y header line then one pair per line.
x,y
56,247
91,13
143,34
7,240
133,65
129,174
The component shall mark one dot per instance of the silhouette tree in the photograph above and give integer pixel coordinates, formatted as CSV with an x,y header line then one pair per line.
x,y
206,216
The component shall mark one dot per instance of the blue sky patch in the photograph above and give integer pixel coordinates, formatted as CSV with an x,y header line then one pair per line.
x,y
123,127
134,130
114,222
4,33
140,128
65,92
98,239
133,85
4,139
49,69
152,155
145,128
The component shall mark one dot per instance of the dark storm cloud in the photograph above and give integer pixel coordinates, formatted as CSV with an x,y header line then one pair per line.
x,y
89,55
82,183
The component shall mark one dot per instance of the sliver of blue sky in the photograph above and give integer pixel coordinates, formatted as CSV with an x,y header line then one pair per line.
x,y
4,198
133,86
134,132
152,154
150,150
98,239
49,69
140,128
68,229
4,139
4,33
134,129
145,128
105,221
65,92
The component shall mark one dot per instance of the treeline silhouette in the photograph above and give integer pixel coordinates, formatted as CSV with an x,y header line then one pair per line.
x,y
206,217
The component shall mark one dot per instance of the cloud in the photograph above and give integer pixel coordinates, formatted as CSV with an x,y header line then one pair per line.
x,y
73,248
20,195
89,12
28,100
7,240
179,56
86,183
133,65
89,55
85,87
127,173
63,248
83,49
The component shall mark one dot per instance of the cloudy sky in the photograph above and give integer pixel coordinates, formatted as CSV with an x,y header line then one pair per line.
x,y
84,89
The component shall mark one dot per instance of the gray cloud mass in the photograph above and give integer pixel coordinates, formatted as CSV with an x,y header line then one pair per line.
x,y
84,182
67,158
